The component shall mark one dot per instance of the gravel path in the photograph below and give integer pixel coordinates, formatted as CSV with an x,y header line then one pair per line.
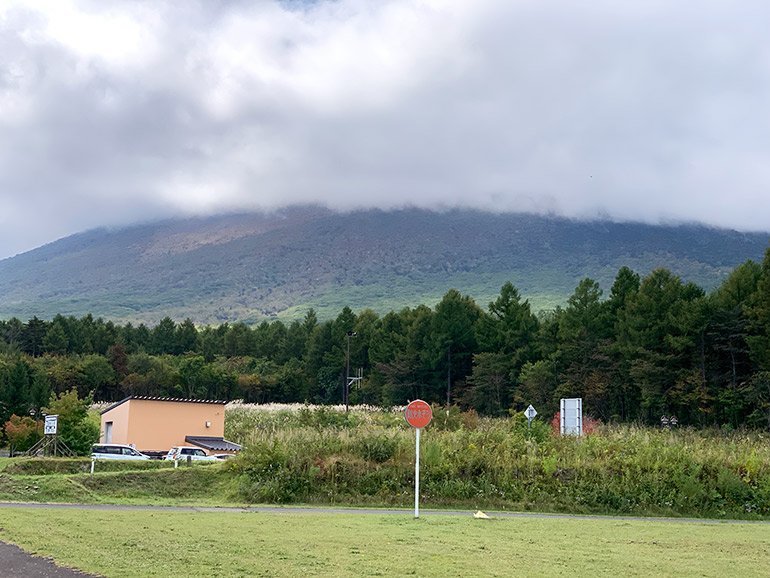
x,y
16,563
361,511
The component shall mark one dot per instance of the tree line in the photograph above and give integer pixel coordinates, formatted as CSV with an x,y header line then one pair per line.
x,y
652,346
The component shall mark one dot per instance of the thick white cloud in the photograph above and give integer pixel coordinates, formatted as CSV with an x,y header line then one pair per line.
x,y
111,112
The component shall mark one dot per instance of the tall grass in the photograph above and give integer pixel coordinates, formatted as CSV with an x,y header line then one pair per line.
x,y
243,420
317,455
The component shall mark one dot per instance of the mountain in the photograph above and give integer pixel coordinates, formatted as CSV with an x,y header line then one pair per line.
x,y
250,266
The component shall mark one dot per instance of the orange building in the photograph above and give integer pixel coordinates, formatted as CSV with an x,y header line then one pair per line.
x,y
156,424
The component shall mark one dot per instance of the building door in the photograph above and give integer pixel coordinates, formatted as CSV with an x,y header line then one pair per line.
x,y
108,432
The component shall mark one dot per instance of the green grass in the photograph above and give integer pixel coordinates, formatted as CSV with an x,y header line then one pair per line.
x,y
197,485
131,543
47,466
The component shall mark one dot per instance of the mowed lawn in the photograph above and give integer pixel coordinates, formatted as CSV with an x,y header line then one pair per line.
x,y
157,543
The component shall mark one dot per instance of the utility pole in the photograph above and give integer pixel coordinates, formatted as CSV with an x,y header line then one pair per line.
x,y
349,380
448,374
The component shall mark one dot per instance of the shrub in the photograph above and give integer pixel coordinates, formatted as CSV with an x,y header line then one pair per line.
x,y
590,424
22,432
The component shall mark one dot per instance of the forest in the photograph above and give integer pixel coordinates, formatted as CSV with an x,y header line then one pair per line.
x,y
652,346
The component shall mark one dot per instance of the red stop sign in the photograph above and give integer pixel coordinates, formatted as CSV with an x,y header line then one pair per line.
x,y
418,414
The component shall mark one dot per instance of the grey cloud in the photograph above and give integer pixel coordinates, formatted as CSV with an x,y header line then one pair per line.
x,y
635,111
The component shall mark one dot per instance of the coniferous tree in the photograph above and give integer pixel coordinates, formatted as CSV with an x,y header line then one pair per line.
x,y
186,338
490,384
453,343
55,340
622,401
15,390
726,336
12,331
507,338
163,337
759,314
32,337
510,327
582,361
656,334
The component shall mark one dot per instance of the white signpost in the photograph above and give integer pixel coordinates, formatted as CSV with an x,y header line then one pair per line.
x,y
50,443
51,424
530,412
572,416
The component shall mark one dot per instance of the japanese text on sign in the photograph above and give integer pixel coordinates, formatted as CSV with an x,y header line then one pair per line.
x,y
418,414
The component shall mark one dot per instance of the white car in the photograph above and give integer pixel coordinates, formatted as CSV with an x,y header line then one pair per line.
x,y
223,457
182,453
116,452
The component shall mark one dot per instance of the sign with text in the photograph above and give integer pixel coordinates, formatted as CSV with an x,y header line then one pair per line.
x,y
418,414
51,424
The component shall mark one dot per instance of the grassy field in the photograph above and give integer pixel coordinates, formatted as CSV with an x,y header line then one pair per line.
x,y
322,456
201,485
129,543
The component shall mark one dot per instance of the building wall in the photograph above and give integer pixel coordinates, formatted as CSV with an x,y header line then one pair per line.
x,y
159,425
119,418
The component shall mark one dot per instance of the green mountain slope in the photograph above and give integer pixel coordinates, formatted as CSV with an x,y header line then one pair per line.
x,y
250,266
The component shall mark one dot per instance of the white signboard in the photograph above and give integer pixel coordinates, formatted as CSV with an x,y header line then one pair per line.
x,y
51,424
572,416
530,412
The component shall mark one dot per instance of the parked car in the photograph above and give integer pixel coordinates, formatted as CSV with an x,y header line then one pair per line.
x,y
223,456
116,452
184,452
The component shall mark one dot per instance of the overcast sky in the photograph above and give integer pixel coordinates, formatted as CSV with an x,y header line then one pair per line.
x,y
115,112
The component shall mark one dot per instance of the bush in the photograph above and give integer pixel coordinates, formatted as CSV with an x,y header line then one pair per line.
x,y
22,432
590,424
453,418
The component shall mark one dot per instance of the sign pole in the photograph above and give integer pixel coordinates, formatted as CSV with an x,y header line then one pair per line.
x,y
418,415
417,474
